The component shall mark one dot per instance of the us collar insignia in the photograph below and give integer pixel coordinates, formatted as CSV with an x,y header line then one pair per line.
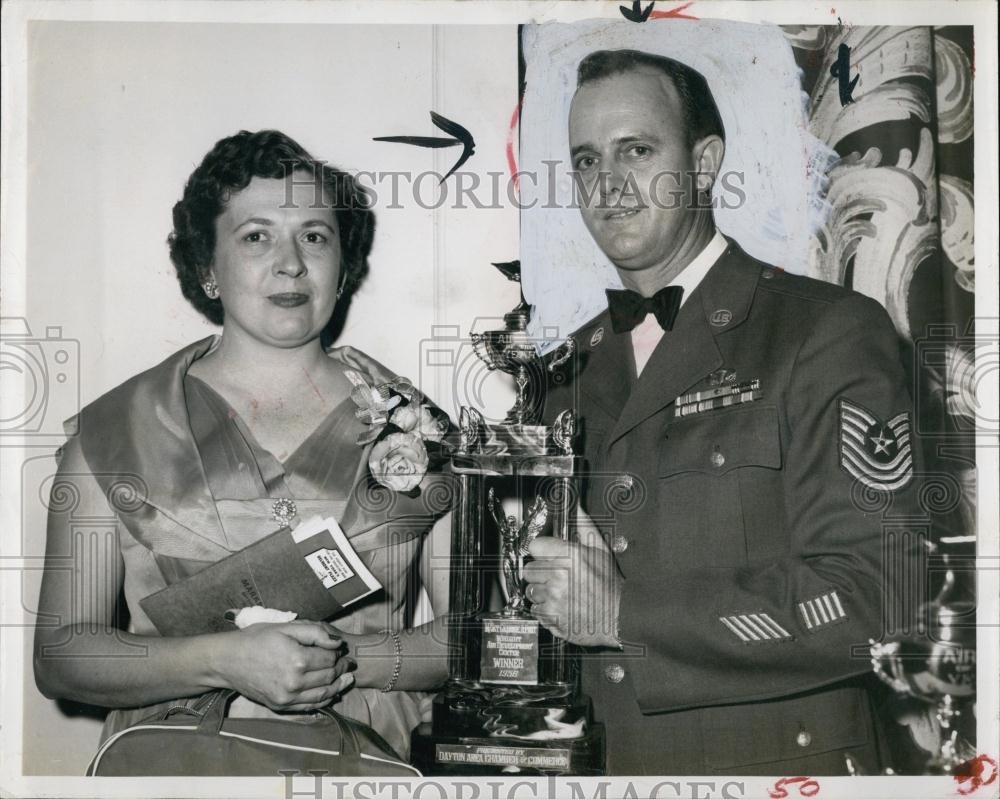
x,y
875,452
721,397
598,337
720,317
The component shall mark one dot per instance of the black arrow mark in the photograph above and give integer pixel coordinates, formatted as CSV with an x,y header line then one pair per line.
x,y
636,14
459,136
510,270
841,70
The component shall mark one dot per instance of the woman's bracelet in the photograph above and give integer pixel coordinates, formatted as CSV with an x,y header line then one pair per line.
x,y
397,646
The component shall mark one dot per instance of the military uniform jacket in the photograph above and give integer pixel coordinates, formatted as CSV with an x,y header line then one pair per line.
x,y
749,530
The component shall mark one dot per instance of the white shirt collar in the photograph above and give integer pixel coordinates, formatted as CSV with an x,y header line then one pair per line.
x,y
647,334
692,274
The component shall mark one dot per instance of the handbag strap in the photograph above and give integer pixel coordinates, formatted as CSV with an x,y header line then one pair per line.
x,y
213,710
350,745
214,713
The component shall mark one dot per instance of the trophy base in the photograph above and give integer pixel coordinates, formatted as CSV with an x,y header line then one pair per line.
x,y
475,757
482,729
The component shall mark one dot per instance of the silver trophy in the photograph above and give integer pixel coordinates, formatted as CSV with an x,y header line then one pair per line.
x,y
512,351
512,702
514,541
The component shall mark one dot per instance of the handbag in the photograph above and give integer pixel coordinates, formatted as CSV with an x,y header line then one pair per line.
x,y
199,740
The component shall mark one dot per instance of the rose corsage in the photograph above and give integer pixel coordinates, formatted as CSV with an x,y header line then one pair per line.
x,y
407,431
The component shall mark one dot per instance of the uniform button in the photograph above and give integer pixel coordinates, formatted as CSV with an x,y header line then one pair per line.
x,y
614,673
767,274
718,459
803,739
619,544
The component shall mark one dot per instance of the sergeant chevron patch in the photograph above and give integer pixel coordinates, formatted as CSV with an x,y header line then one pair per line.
x,y
877,453
824,609
755,628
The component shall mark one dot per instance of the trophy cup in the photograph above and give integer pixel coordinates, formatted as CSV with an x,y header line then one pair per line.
x,y
511,703
939,669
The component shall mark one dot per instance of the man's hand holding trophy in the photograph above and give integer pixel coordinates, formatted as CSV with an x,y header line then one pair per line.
x,y
574,586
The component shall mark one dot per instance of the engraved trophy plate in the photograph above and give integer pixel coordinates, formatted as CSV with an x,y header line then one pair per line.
x,y
519,757
511,701
509,650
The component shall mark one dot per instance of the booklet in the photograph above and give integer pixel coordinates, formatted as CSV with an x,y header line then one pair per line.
x,y
312,570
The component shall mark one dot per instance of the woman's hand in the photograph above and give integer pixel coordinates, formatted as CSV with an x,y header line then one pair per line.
x,y
296,666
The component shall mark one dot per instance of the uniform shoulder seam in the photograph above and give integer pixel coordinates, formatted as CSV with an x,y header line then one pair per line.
x,y
803,286
803,294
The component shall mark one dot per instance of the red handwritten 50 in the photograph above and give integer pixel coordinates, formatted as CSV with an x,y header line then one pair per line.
x,y
806,787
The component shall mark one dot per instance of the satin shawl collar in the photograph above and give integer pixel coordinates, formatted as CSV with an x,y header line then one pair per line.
x,y
138,443
139,432
689,353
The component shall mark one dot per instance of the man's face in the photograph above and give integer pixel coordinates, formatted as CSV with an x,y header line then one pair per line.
x,y
634,169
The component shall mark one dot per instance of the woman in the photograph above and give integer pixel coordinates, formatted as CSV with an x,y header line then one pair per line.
x,y
193,455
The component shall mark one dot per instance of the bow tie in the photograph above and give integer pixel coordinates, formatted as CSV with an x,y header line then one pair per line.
x,y
629,308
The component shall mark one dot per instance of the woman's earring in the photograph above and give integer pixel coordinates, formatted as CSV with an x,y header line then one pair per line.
x,y
340,292
211,289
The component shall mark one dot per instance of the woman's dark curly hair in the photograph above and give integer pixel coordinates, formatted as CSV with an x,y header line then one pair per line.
x,y
229,168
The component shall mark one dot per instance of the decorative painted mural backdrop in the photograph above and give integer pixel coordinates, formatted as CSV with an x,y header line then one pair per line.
x,y
900,229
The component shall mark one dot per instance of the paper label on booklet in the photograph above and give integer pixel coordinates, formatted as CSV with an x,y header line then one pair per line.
x,y
516,756
312,571
509,651
329,566
331,557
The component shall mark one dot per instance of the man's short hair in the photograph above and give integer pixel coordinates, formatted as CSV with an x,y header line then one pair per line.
x,y
701,115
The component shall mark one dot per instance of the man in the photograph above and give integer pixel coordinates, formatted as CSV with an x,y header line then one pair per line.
x,y
735,454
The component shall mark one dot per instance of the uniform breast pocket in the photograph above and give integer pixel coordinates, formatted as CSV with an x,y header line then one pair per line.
x,y
707,465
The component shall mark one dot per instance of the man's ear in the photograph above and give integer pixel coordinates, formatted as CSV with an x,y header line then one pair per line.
x,y
708,154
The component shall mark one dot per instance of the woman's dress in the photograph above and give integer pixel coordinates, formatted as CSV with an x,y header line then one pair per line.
x,y
191,485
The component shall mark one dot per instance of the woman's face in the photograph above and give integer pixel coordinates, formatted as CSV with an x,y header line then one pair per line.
x,y
277,260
